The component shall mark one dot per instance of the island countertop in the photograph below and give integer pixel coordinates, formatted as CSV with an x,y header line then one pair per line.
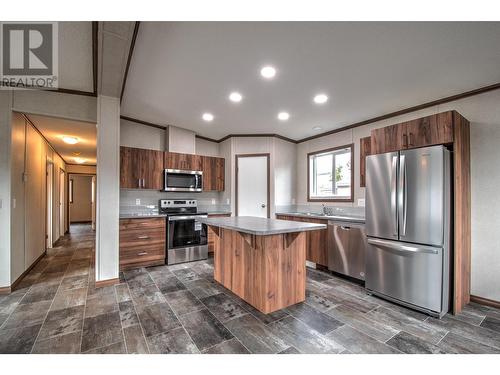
x,y
260,226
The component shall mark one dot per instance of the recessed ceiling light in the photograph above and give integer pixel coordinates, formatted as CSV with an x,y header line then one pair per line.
x,y
70,140
79,160
283,116
320,99
317,128
268,72
235,97
207,117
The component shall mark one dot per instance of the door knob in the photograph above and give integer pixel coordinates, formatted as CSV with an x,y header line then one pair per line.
x,y
263,205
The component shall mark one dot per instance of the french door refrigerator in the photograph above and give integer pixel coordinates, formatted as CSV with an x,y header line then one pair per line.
x,y
408,228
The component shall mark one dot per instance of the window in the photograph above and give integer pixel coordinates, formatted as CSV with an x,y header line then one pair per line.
x,y
330,174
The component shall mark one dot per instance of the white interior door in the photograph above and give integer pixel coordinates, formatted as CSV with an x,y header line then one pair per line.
x,y
50,180
62,206
252,185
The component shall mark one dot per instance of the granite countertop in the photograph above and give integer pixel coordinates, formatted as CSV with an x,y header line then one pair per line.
x,y
261,226
140,215
344,217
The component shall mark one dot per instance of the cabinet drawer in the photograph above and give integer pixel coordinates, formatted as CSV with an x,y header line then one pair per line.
x,y
156,249
155,222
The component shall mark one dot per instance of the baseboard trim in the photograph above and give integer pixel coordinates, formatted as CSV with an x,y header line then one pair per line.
x,y
109,282
5,290
485,301
20,278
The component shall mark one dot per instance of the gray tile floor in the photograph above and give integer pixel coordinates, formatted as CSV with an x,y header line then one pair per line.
x,y
181,309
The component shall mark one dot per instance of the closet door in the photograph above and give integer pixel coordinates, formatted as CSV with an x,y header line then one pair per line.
x,y
35,196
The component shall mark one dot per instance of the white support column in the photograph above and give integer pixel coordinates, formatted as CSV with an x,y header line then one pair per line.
x,y
5,186
108,188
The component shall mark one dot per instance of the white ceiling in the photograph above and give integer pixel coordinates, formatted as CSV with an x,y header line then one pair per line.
x,y
53,129
75,56
181,69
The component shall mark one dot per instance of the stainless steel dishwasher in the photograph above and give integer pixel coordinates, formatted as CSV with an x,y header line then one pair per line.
x,y
347,248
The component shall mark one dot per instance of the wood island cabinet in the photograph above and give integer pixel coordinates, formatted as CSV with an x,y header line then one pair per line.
x,y
316,241
211,234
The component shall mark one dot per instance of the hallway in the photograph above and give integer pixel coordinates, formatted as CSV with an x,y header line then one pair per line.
x,y
52,294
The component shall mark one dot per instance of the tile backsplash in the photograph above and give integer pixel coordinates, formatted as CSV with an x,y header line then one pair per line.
x,y
145,201
331,210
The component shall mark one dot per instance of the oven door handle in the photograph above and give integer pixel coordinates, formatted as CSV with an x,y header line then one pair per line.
x,y
188,217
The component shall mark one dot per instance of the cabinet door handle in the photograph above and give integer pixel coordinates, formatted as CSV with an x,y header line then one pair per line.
x,y
143,237
142,254
139,182
405,140
411,139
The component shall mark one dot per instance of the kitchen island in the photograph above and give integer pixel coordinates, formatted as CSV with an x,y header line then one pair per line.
x,y
261,260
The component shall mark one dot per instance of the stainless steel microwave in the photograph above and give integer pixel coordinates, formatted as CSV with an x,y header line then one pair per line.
x,y
182,180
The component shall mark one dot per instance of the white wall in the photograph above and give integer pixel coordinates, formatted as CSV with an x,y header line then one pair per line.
x,y
5,186
108,188
204,147
43,102
285,172
180,140
483,111
133,134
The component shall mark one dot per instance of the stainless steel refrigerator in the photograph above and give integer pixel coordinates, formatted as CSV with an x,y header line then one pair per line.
x,y
408,227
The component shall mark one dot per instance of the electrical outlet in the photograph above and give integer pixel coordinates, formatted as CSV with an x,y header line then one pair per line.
x,y
213,200
137,202
361,202
14,202
228,201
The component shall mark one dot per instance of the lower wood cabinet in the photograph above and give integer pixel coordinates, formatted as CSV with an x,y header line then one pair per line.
x,y
316,241
142,242
211,239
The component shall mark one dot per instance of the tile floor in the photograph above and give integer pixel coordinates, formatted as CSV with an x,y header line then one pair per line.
x,y
181,309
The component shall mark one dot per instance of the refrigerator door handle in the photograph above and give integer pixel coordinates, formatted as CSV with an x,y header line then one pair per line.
x,y
393,194
400,248
402,195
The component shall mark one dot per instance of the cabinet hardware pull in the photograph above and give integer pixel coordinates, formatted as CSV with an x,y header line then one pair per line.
x,y
143,237
143,253
405,140
411,139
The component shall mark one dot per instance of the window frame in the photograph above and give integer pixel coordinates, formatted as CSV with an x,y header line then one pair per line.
x,y
320,199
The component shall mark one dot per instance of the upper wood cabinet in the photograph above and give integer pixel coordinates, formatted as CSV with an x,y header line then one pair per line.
x,y
141,169
425,131
188,162
390,138
364,151
213,173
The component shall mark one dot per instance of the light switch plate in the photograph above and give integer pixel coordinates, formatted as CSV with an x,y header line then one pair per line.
x,y
361,202
213,200
228,201
137,202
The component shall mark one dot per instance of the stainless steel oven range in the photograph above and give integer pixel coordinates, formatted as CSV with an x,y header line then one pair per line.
x,y
186,236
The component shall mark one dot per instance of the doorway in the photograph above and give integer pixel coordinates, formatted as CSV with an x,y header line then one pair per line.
x,y
81,198
252,185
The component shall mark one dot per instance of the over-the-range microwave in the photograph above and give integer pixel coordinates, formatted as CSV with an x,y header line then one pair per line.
x,y
183,180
